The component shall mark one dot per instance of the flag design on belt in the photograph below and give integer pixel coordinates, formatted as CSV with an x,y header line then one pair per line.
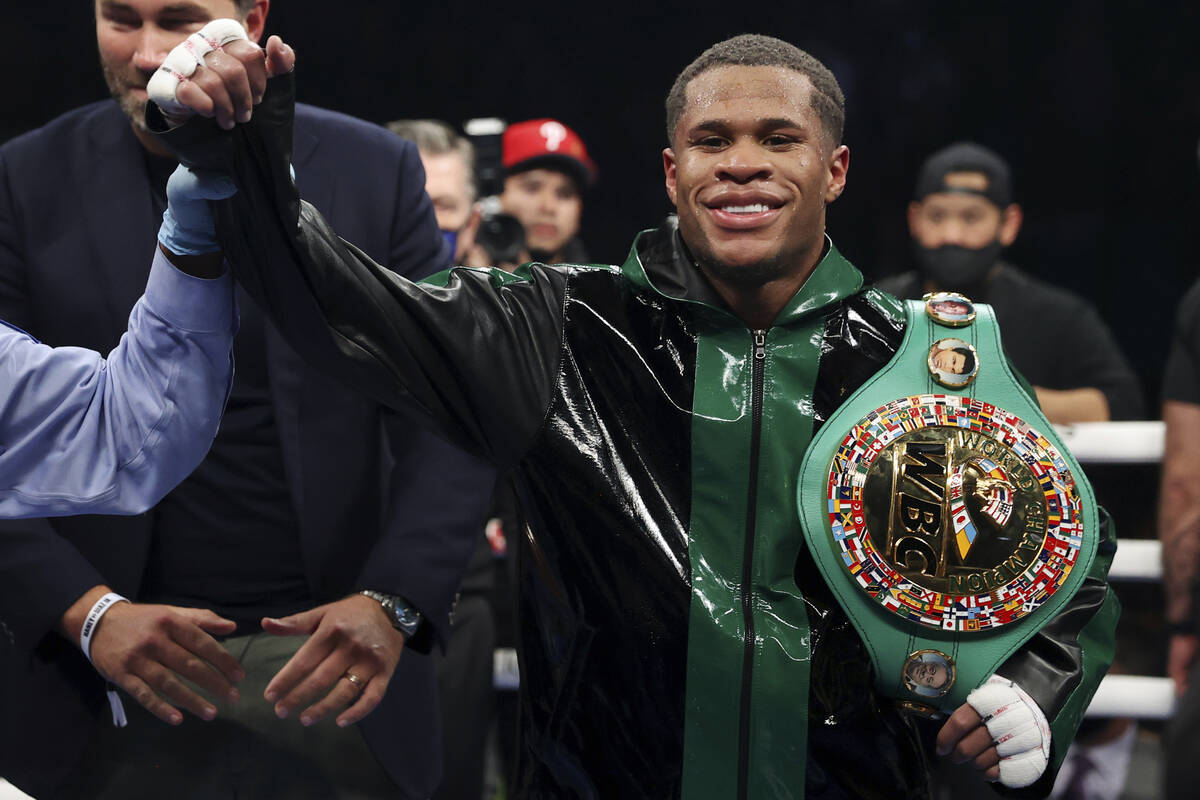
x,y
964,529
994,489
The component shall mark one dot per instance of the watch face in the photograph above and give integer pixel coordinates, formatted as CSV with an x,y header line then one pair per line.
x,y
389,605
403,617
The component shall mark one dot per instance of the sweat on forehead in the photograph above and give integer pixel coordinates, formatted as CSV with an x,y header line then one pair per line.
x,y
752,50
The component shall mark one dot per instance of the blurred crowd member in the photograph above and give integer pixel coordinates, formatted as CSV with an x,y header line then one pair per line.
x,y
449,161
464,670
1179,531
1108,761
282,520
961,219
500,243
547,169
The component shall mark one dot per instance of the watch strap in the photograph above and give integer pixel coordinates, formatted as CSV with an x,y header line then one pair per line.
x,y
403,616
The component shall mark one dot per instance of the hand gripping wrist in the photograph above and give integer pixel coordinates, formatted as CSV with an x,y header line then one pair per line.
x,y
187,227
182,62
1017,726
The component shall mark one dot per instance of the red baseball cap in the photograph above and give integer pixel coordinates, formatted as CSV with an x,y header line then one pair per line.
x,y
547,143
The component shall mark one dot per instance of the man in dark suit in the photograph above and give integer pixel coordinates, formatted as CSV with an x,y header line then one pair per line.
x,y
292,515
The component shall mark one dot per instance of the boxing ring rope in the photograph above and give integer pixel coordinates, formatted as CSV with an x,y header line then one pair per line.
x,y
1137,560
1114,442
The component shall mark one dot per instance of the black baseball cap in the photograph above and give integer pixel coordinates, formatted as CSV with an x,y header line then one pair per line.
x,y
966,157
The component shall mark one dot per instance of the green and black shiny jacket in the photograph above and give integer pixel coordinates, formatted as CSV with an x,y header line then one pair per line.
x,y
666,595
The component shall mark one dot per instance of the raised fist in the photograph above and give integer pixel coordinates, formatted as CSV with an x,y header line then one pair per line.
x,y
217,72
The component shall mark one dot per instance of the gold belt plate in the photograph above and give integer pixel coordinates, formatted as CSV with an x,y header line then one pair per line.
x,y
953,513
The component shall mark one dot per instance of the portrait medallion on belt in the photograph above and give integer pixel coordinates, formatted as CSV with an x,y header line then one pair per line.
x,y
951,309
953,363
953,513
929,673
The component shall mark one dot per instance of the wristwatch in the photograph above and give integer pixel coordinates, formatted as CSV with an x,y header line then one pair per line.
x,y
403,616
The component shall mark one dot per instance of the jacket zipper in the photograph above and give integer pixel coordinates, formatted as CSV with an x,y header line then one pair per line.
x,y
756,406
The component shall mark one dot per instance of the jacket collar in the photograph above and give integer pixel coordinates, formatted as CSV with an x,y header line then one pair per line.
x,y
659,261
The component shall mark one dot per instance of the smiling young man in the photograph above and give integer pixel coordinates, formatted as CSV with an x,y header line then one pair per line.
x,y
678,639
751,169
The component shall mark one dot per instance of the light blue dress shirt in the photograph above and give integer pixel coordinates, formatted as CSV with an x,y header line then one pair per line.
x,y
81,434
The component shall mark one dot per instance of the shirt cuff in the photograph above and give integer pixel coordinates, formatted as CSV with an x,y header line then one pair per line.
x,y
200,305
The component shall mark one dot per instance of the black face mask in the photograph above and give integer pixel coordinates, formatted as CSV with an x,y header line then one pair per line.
x,y
952,267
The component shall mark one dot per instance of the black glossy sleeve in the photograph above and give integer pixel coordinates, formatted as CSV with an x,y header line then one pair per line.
x,y
473,352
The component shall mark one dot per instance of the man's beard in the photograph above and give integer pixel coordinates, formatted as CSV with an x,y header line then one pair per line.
x,y
746,276
122,92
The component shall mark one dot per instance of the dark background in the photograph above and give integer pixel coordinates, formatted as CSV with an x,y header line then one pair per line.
x,y
1096,105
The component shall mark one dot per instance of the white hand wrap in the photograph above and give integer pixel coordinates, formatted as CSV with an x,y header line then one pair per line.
x,y
1018,727
181,63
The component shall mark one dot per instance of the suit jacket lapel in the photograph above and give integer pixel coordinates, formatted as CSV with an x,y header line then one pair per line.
x,y
120,216
316,186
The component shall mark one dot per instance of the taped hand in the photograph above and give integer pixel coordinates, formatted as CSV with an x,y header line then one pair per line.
x,y
1017,726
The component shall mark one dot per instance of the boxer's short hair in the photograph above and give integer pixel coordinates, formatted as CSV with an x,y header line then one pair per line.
x,y
754,50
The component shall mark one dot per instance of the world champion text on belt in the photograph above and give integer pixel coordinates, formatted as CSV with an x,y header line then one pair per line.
x,y
953,513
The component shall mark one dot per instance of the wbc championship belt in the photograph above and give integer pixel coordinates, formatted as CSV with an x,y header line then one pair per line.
x,y
943,510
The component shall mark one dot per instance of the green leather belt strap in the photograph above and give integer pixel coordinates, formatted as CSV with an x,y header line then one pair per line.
x,y
891,638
